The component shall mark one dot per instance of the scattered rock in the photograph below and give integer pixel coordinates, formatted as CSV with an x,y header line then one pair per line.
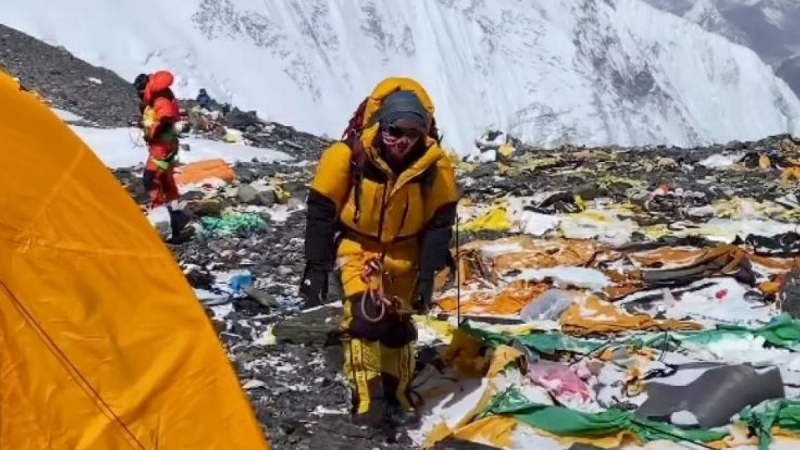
x,y
208,207
267,198
247,194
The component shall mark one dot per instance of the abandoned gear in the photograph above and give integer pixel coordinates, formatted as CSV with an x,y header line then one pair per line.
x,y
159,117
385,216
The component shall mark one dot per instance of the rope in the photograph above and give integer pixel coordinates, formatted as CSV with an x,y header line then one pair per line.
x,y
373,268
458,274
135,139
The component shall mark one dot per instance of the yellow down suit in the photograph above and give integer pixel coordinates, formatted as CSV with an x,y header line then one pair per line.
x,y
402,219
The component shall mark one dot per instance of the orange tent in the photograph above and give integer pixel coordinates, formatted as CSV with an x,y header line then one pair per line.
x,y
102,342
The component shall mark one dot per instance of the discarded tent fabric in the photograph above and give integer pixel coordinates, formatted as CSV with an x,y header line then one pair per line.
x,y
784,414
496,219
594,316
563,421
200,171
783,332
104,345
728,261
507,302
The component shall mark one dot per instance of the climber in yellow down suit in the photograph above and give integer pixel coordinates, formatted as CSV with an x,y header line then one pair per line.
x,y
381,206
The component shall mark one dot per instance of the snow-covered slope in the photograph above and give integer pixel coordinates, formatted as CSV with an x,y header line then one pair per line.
x,y
583,71
767,26
706,13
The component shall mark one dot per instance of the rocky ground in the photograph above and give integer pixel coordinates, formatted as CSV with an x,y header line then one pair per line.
x,y
282,359
67,82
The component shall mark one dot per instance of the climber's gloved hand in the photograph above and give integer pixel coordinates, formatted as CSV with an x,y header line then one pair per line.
x,y
423,295
314,287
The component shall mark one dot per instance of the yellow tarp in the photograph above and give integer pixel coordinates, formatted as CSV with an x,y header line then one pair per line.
x,y
103,344
496,219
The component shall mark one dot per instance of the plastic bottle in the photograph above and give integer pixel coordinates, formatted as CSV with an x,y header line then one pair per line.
x,y
548,306
240,281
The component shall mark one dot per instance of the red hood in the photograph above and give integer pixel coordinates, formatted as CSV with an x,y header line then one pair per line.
x,y
159,81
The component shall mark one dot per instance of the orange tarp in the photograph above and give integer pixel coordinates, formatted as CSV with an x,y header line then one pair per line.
x,y
676,257
103,345
546,254
596,316
199,171
509,301
522,252
669,257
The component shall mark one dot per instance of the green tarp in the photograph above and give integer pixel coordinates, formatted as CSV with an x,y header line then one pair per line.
x,y
567,422
782,332
231,224
772,413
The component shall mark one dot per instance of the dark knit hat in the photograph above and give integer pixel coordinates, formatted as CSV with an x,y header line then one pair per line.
x,y
402,105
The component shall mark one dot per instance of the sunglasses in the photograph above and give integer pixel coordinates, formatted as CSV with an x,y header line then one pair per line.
x,y
398,132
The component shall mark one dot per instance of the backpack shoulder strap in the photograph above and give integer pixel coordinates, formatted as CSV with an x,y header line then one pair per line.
x,y
357,159
352,138
426,180
433,132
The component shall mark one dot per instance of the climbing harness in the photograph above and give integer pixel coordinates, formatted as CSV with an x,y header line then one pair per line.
x,y
372,275
376,295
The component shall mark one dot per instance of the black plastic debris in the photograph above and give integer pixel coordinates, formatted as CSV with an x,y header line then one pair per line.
x,y
714,397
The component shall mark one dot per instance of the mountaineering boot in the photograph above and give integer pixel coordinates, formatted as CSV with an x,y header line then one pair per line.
x,y
369,410
403,418
177,222
397,371
362,370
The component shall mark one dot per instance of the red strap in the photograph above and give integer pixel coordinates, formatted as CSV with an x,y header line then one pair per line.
x,y
356,122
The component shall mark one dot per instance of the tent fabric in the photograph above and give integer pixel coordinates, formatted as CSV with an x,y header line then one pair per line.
x,y
783,332
496,219
204,170
764,417
104,345
482,262
508,301
594,316
563,421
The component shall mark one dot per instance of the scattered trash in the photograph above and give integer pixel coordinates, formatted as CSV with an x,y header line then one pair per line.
x,y
547,306
602,268
239,282
231,224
